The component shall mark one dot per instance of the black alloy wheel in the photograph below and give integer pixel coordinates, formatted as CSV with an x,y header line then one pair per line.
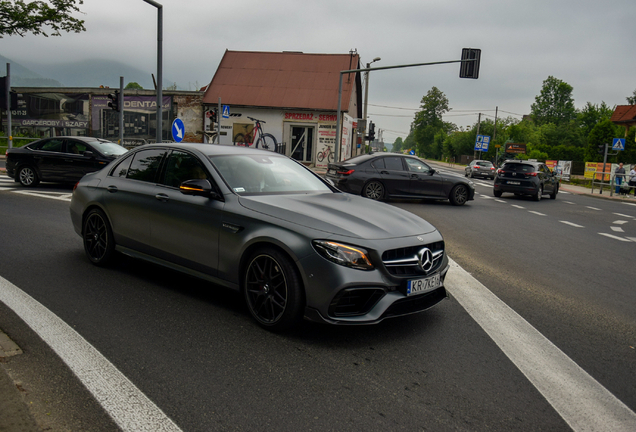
x,y
28,177
458,195
99,242
537,196
373,190
273,290
554,192
497,194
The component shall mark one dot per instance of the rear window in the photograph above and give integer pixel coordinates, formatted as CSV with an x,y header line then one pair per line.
x,y
484,163
525,168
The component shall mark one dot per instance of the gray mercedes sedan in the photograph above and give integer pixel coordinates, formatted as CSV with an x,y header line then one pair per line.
x,y
263,224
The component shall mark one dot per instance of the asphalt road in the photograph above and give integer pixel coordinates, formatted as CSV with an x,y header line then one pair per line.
x,y
193,350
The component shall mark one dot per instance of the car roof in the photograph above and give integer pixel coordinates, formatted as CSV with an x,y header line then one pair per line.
x,y
210,149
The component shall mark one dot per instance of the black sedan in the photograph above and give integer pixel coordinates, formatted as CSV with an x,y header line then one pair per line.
x,y
382,176
263,224
60,159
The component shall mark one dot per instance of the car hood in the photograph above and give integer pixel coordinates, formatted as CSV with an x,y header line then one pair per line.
x,y
340,214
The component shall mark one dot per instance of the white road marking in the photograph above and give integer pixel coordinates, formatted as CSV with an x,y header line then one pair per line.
x,y
580,400
619,222
486,196
63,196
518,206
594,208
125,403
569,202
615,238
624,215
501,201
617,229
564,192
536,212
572,224
631,239
631,204
483,184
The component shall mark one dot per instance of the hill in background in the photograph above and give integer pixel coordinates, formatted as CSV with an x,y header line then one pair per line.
x,y
85,73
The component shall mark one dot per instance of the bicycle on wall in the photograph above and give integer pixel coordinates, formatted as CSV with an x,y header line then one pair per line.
x,y
326,153
265,141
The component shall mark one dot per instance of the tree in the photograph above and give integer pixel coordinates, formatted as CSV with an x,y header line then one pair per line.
x,y
428,122
397,145
602,133
631,99
555,103
20,18
133,86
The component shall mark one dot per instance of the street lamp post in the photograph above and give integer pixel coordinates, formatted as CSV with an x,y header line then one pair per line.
x,y
159,68
366,99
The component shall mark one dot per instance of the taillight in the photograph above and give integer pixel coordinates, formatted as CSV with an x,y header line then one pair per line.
x,y
533,174
75,187
499,171
346,172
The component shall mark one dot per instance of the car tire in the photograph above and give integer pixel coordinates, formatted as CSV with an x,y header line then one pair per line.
x,y
554,194
458,195
99,242
273,290
537,196
28,177
373,190
472,175
497,194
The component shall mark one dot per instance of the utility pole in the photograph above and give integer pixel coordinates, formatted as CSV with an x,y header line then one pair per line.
x,y
366,100
159,68
478,126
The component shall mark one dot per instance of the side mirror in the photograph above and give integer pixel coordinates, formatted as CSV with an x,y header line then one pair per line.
x,y
89,154
198,187
432,171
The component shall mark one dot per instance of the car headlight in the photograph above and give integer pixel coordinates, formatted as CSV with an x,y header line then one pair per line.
x,y
345,255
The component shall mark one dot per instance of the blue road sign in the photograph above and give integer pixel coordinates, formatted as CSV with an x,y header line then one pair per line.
x,y
178,130
482,142
412,152
618,144
226,111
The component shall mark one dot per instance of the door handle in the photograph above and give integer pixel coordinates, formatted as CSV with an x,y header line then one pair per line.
x,y
162,197
112,189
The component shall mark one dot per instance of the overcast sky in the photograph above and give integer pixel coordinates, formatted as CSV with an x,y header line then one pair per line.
x,y
587,43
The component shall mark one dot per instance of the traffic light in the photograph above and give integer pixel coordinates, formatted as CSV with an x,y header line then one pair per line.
x,y
371,131
114,101
213,120
13,96
470,69
601,149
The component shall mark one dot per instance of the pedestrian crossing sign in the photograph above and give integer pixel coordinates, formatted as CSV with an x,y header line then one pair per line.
x,y
618,144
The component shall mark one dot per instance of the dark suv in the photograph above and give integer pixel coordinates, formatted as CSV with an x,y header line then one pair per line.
x,y
526,178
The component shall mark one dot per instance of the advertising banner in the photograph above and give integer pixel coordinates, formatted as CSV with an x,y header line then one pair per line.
x,y
564,168
326,144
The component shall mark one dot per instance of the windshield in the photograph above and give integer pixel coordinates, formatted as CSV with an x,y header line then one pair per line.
x,y
259,174
107,148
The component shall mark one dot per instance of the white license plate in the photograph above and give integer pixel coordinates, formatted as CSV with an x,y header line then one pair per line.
x,y
417,286
331,171
514,183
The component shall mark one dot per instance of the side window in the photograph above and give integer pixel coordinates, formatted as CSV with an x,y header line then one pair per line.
x,y
393,163
145,165
378,163
415,165
182,166
122,168
76,147
52,145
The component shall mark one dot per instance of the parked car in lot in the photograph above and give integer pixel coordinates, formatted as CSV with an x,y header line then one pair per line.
x,y
381,176
480,168
60,159
526,178
265,225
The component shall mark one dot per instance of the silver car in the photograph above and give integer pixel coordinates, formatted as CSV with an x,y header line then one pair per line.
x,y
261,223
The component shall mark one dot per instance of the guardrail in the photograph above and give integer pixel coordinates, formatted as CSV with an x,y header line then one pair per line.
x,y
624,187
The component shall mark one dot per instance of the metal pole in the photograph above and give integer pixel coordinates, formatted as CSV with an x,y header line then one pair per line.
x,y
9,135
478,127
604,162
159,68
366,100
121,111
336,156
219,116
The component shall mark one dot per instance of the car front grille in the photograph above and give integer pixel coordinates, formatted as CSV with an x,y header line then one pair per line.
x,y
404,262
